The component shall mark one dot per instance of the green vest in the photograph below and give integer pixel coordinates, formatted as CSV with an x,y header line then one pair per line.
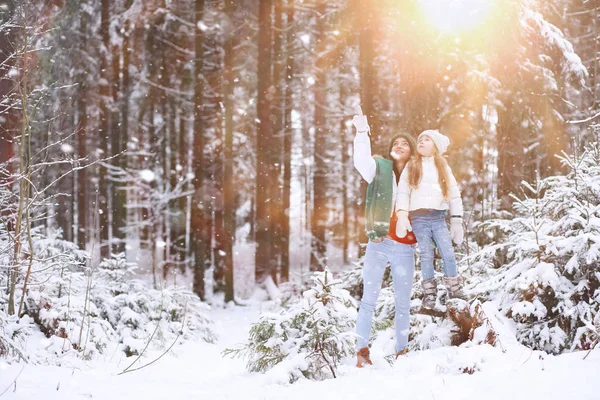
x,y
380,195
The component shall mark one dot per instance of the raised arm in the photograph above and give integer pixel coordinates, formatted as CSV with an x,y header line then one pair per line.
x,y
363,160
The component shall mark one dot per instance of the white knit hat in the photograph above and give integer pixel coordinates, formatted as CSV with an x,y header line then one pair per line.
x,y
441,141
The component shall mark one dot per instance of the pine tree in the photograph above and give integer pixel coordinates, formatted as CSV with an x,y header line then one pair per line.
x,y
548,280
307,339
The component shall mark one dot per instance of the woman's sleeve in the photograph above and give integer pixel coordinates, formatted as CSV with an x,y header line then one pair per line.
x,y
403,195
456,205
363,161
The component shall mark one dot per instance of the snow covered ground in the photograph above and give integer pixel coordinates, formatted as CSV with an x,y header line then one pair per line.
x,y
198,371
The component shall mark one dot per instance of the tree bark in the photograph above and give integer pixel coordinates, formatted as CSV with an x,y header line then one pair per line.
x,y
213,121
103,130
201,239
122,194
277,118
365,24
510,172
7,86
81,199
228,195
118,139
264,138
346,168
287,146
320,209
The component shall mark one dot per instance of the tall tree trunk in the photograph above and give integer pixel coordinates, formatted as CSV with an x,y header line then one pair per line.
x,y
63,217
103,130
122,194
8,128
22,220
184,202
365,26
365,23
228,236
277,110
201,238
175,212
287,146
7,86
156,143
179,157
510,172
119,217
264,139
167,167
213,120
346,168
320,209
80,212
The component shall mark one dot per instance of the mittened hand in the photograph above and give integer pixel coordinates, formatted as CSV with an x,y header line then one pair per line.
x,y
403,224
360,123
456,231
400,231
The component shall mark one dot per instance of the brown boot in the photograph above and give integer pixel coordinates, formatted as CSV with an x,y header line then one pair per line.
x,y
429,293
363,357
454,287
402,352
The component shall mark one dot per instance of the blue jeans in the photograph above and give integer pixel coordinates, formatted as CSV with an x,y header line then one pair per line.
x,y
430,226
402,262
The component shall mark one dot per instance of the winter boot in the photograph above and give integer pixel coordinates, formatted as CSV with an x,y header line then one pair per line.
x,y
429,293
454,286
402,352
363,357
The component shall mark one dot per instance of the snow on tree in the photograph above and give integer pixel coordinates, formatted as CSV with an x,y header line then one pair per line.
x,y
308,338
86,312
543,273
138,313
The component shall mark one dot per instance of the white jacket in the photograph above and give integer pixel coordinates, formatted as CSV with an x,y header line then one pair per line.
x,y
429,193
365,163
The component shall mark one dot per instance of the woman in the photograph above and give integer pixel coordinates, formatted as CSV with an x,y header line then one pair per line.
x,y
426,190
384,245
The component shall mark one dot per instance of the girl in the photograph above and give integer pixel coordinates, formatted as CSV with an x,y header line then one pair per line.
x,y
426,190
384,246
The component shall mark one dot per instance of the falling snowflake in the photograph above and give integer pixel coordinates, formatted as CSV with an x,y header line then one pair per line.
x,y
147,176
66,148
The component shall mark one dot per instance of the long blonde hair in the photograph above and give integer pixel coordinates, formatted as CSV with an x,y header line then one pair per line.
x,y
415,172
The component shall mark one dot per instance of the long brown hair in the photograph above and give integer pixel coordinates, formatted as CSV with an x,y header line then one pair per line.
x,y
415,172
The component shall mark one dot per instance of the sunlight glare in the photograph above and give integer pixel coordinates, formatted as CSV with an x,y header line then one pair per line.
x,y
454,16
